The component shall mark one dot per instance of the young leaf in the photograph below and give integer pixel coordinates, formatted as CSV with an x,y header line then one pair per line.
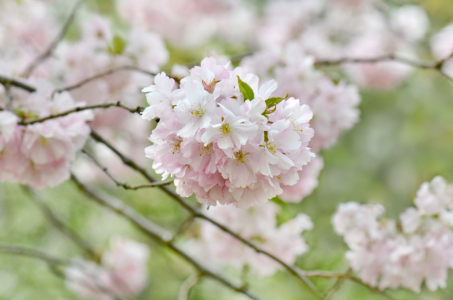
x,y
274,101
117,45
246,90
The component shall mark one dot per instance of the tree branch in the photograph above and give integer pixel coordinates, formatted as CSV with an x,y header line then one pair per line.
x,y
187,286
32,252
122,183
54,44
346,275
50,215
102,74
154,231
137,110
198,214
437,66
9,96
13,82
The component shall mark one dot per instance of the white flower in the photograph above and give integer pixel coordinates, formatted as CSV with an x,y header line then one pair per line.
x,y
160,97
232,132
196,110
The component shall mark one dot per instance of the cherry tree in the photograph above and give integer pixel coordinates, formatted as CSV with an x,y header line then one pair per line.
x,y
241,135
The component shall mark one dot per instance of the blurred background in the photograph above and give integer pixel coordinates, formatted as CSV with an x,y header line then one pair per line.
x,y
404,137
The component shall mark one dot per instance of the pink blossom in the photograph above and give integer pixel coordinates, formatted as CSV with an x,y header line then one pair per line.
x,y
386,257
307,182
215,137
160,97
284,241
122,274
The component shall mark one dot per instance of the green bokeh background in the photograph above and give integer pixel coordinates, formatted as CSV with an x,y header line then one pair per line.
x,y
404,137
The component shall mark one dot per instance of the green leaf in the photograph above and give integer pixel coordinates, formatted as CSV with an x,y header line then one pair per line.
x,y
274,101
117,45
246,90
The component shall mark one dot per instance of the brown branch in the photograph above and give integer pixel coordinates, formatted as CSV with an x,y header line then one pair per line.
x,y
9,96
198,214
60,225
432,65
51,260
14,82
122,183
102,74
154,231
43,56
346,275
137,109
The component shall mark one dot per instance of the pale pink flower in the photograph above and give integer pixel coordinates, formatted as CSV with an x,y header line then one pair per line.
x,y
433,196
229,133
307,182
196,110
160,97
284,241
147,49
410,21
442,47
122,273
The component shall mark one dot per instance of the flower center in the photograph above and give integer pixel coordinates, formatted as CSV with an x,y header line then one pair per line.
x,y
176,146
198,113
241,156
206,150
295,125
272,147
226,128
210,87
43,141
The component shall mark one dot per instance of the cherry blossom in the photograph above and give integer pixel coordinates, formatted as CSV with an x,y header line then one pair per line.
x,y
122,274
223,138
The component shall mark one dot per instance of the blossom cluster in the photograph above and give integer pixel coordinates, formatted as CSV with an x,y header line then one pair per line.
x,y
220,249
224,137
121,275
418,249
40,154
334,105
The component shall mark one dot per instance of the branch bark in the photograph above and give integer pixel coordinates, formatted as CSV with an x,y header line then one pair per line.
x,y
155,232
137,110
198,214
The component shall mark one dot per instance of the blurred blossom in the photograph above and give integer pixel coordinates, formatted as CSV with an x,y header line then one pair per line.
x,y
308,181
122,274
191,23
40,154
387,258
257,224
442,47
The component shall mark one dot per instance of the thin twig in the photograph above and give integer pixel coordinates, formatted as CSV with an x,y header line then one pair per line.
x,y
43,56
14,82
346,275
137,109
335,287
155,232
122,183
60,225
9,96
437,66
32,252
186,287
198,214
102,74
